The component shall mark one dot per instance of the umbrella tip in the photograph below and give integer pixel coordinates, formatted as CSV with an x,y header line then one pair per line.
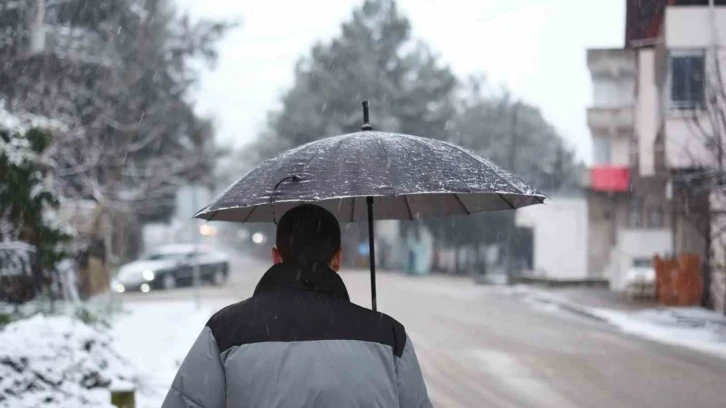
x,y
366,124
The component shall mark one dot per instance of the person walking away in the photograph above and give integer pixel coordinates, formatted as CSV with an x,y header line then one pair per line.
x,y
299,341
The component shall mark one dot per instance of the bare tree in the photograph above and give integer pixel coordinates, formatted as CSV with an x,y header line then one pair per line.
x,y
706,177
116,73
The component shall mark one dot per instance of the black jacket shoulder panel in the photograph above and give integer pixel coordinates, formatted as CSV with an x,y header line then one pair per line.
x,y
288,314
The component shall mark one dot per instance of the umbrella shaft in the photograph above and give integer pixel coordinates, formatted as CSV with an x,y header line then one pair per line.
x,y
372,252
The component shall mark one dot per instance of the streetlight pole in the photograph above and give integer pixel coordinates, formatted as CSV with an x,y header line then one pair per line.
x,y
195,241
512,165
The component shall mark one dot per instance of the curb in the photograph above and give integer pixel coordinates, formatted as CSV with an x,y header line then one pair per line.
x,y
582,311
570,307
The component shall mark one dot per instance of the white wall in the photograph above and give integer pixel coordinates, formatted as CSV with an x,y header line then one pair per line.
x,y
689,27
685,145
620,151
560,237
646,111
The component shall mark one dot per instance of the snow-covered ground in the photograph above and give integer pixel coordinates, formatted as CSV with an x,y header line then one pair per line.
x,y
154,337
58,360
692,327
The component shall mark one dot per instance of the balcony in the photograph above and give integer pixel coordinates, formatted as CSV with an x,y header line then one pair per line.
x,y
611,120
612,179
611,62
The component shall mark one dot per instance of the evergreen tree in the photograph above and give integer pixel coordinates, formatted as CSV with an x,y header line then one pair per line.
x,y
373,58
26,203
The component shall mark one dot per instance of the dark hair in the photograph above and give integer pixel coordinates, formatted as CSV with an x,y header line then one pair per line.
x,y
308,233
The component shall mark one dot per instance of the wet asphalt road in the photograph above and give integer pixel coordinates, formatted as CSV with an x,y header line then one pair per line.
x,y
480,347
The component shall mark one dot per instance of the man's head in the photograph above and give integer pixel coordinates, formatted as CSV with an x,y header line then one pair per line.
x,y
308,233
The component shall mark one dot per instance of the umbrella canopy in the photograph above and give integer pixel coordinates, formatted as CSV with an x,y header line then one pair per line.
x,y
408,176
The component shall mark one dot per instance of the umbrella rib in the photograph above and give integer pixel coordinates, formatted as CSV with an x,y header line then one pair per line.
x,y
461,203
388,160
408,207
250,214
505,200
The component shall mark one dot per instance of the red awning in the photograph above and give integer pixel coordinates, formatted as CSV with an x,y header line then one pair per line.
x,y
610,178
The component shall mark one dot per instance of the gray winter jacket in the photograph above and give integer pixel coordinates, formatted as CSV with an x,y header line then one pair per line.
x,y
299,342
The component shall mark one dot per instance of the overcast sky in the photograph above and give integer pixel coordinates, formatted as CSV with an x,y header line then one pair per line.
x,y
536,48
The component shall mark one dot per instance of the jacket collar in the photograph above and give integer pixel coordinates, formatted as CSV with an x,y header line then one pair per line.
x,y
306,277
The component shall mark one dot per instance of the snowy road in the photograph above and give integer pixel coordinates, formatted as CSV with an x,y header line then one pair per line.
x,y
479,347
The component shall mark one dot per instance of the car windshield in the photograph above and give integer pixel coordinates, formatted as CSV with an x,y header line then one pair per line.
x,y
166,256
642,263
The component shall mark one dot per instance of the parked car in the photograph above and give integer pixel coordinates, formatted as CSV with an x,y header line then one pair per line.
x,y
640,279
171,266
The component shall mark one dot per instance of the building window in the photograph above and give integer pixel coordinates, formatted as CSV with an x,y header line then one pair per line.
x,y
655,217
687,80
634,213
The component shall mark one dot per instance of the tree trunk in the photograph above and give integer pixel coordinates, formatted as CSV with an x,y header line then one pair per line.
x,y
706,300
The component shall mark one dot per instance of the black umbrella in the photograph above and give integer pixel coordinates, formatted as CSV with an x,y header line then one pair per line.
x,y
407,177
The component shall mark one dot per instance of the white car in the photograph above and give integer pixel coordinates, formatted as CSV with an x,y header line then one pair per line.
x,y
640,278
170,266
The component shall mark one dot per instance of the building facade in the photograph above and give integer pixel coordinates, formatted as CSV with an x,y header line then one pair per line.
x,y
624,207
657,138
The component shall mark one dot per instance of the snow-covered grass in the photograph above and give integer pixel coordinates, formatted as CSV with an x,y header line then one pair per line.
x,y
58,361
76,356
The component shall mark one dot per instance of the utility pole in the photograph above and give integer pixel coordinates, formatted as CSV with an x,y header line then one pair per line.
x,y
195,257
512,165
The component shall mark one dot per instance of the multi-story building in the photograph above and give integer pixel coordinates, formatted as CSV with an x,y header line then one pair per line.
x,y
626,224
654,137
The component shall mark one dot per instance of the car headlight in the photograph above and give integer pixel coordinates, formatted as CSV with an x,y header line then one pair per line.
x,y
148,274
120,288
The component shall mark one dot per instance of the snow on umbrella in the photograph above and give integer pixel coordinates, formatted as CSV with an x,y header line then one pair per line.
x,y
408,177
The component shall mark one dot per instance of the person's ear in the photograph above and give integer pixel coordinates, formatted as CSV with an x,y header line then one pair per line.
x,y
276,256
336,259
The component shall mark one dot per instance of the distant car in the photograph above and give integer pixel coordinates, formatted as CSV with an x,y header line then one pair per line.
x,y
640,278
171,266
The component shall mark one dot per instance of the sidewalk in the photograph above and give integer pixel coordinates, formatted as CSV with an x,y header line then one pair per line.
x,y
692,327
